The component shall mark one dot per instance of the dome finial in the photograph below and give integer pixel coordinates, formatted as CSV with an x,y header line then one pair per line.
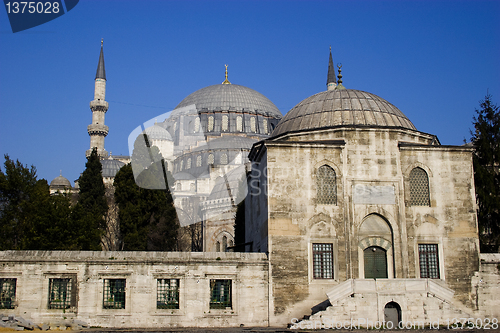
x,y
102,41
60,172
339,86
331,82
226,81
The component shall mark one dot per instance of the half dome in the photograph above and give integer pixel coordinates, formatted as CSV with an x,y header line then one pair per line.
x,y
340,108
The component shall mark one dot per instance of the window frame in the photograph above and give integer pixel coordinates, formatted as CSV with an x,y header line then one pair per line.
x,y
111,303
65,286
173,294
215,301
324,190
4,303
437,264
322,261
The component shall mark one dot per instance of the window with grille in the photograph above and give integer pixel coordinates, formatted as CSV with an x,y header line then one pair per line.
x,y
220,294
167,293
223,159
253,128
210,159
429,263
188,164
114,294
210,124
326,186
239,123
7,293
264,125
61,293
419,188
198,161
323,261
181,166
225,122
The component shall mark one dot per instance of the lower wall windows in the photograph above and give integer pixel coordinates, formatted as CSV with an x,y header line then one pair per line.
x,y
323,261
7,293
429,262
61,293
167,294
220,294
114,294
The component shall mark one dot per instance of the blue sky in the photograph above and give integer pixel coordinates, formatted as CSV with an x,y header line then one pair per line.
x,y
434,60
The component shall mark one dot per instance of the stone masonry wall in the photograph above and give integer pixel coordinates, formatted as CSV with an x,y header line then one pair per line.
x,y
247,273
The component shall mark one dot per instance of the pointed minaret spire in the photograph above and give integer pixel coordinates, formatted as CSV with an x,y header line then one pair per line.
x,y
97,130
101,72
331,82
226,81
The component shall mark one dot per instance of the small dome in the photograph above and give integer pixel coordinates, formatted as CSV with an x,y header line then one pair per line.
x,y
157,132
230,96
110,167
60,182
342,107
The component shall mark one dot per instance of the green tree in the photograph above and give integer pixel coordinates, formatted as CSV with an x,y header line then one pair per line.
x,y
16,193
486,141
148,220
89,213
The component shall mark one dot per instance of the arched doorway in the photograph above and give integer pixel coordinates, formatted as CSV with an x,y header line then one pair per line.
x,y
392,314
375,263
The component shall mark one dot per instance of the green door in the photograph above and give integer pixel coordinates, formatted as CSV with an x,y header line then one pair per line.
x,y
375,263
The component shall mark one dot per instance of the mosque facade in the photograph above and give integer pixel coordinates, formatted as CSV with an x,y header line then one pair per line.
x,y
352,215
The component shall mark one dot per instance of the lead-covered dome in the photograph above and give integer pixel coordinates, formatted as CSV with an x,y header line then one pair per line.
x,y
60,182
230,97
342,107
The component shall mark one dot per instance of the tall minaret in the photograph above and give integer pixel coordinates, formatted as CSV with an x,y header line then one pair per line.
x,y
97,130
331,81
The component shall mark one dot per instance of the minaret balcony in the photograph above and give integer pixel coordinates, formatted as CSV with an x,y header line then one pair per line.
x,y
99,105
97,129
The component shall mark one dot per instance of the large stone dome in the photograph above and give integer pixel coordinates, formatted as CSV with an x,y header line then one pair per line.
x,y
342,107
230,97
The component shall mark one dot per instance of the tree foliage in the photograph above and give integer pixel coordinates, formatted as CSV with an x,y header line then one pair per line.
x,y
486,141
148,220
89,214
30,218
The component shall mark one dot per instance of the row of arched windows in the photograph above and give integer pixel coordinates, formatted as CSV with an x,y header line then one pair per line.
x,y
326,186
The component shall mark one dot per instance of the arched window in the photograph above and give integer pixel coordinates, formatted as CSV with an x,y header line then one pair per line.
x,y
192,187
225,122
223,159
253,128
188,164
419,188
224,244
217,247
182,165
198,161
264,125
211,123
210,159
239,123
197,125
326,186
179,186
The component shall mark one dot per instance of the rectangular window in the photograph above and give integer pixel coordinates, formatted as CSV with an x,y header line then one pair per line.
x,y
220,294
429,263
167,293
114,294
60,293
323,261
7,293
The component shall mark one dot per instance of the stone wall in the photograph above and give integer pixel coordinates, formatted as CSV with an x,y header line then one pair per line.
x,y
486,285
91,301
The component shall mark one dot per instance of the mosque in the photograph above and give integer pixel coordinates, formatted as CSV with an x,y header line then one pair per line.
x,y
352,215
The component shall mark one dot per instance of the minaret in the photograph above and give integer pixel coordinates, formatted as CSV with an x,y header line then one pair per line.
x,y
330,80
97,130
